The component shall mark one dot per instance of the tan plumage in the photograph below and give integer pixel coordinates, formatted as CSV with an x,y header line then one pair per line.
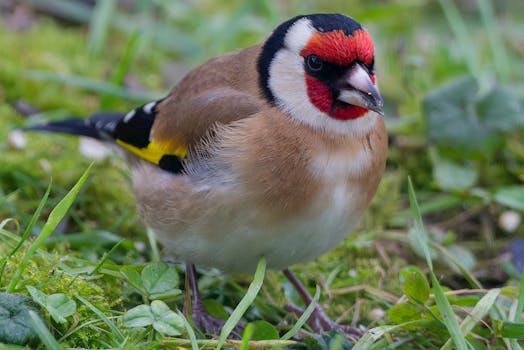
x,y
270,182
275,150
258,175
222,90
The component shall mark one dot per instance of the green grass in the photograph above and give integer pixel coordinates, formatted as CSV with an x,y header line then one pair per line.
x,y
423,270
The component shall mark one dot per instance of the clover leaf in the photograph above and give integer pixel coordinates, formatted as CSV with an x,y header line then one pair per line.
x,y
15,322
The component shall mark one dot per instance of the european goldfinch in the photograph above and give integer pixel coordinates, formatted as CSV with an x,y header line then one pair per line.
x,y
275,150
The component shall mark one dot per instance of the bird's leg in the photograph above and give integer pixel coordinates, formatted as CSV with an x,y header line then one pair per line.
x,y
319,321
202,320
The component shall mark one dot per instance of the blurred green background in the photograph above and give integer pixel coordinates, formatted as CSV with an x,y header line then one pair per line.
x,y
451,74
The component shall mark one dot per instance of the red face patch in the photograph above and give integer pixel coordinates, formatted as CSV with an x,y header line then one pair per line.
x,y
320,95
339,48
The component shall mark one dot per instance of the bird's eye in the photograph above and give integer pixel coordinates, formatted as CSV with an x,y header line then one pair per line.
x,y
314,64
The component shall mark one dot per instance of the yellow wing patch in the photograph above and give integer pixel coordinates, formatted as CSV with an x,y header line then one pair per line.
x,y
154,151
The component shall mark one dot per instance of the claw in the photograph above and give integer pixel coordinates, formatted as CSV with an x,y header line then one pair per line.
x,y
321,323
212,326
203,321
318,321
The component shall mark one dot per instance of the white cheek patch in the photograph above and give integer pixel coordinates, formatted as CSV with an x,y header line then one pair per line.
x,y
299,34
286,79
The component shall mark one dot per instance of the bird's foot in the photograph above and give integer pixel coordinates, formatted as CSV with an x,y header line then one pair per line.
x,y
321,323
210,325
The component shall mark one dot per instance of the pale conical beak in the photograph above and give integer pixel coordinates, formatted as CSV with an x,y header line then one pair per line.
x,y
357,89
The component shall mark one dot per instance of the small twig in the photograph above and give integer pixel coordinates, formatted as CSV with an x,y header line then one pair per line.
x,y
368,289
25,108
487,229
259,344
327,291
460,218
74,324
356,315
383,254
345,313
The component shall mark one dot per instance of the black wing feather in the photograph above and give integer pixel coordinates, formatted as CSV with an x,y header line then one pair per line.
x,y
132,129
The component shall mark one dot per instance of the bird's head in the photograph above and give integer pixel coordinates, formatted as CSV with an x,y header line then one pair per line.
x,y
320,69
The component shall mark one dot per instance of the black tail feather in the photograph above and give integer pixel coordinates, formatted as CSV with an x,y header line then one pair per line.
x,y
75,126
99,126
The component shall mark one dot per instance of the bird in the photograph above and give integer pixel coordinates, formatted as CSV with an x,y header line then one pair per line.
x,y
274,151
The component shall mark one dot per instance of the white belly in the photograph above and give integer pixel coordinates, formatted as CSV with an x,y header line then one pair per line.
x,y
232,244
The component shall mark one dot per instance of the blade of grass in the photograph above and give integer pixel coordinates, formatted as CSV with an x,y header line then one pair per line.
x,y
374,334
337,343
514,344
8,244
447,314
9,238
246,301
190,331
43,333
132,49
442,302
155,252
105,257
55,217
517,312
28,229
99,25
422,235
520,304
246,336
6,197
104,318
458,26
500,56
6,221
91,323
467,274
122,67
100,87
303,318
512,330
479,311
74,11
205,344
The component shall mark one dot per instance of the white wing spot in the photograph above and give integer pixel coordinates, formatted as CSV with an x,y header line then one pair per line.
x,y
111,126
129,116
148,108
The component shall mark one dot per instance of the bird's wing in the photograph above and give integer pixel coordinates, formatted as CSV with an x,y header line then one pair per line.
x,y
220,91
163,132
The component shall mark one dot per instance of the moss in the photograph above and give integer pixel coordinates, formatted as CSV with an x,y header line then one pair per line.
x,y
51,47
45,272
106,201
410,63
